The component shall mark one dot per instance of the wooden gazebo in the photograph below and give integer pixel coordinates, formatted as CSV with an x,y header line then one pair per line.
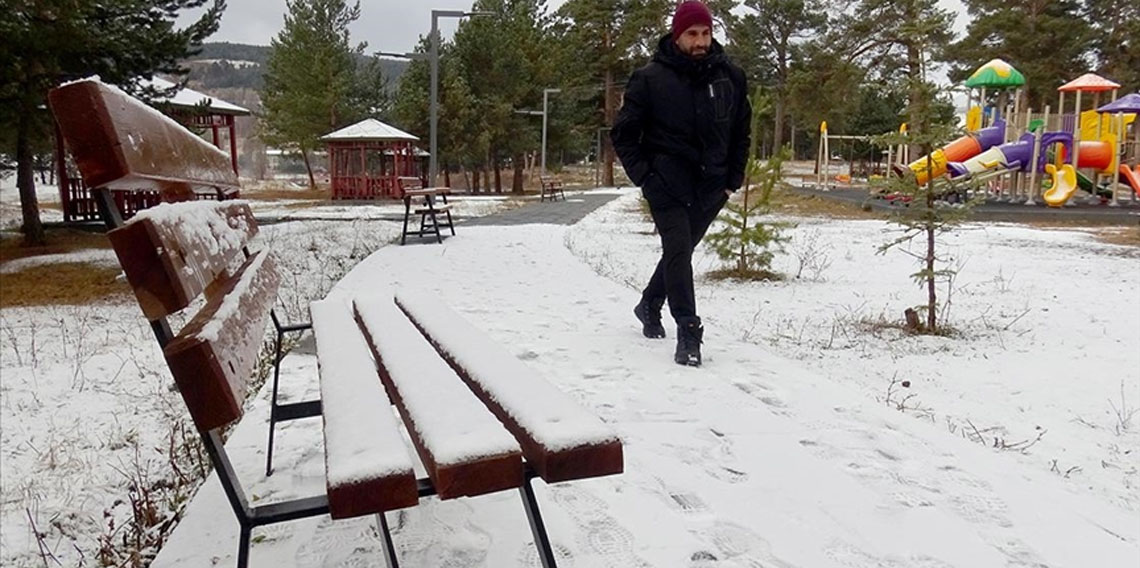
x,y
192,109
367,158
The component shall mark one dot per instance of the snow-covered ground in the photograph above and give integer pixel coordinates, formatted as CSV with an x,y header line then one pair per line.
x,y
788,448
86,405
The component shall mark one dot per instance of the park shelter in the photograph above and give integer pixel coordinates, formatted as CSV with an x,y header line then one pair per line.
x,y
367,159
194,110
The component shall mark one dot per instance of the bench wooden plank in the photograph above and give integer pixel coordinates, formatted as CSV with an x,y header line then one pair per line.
x,y
121,143
214,355
367,466
464,448
434,209
171,254
560,439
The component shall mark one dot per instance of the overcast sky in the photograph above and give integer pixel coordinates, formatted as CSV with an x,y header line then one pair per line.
x,y
387,25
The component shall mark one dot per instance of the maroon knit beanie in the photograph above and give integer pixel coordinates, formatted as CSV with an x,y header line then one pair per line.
x,y
690,13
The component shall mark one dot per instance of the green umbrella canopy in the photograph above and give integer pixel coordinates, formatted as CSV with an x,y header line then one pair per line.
x,y
996,74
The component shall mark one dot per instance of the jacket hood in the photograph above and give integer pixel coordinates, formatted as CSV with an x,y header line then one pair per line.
x,y
670,55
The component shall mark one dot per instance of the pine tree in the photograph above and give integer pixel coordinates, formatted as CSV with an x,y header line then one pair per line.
x,y
503,61
768,39
1047,40
310,77
1116,40
746,242
45,42
611,37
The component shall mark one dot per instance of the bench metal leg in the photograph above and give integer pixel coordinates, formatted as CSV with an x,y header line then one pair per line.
x,y
107,208
450,225
386,542
434,224
541,540
273,402
278,412
243,547
407,212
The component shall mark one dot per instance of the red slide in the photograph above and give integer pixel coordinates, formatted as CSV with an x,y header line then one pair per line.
x,y
1132,175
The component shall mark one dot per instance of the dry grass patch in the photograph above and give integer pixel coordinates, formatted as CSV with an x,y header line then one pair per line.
x,y
1127,236
750,275
1124,236
64,283
67,283
59,241
802,205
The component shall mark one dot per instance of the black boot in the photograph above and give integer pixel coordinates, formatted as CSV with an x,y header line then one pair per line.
x,y
689,335
649,314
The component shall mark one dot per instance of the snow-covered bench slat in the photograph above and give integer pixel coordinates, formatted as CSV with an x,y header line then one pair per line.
x,y
171,254
464,448
560,439
367,466
121,143
213,357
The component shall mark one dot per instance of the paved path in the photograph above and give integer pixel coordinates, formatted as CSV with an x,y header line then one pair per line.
x,y
573,209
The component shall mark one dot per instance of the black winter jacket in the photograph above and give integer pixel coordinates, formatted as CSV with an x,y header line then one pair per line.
x,y
684,129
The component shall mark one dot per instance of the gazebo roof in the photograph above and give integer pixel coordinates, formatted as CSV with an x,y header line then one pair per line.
x,y
996,73
369,130
1127,103
189,98
1089,82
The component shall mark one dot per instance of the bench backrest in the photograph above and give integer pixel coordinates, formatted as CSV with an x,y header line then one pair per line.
x,y
173,254
120,143
406,183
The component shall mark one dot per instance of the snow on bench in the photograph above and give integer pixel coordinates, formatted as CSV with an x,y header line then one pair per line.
x,y
213,356
560,439
170,253
464,448
367,466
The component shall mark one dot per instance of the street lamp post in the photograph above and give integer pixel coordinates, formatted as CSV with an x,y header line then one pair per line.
x,y
433,55
543,113
545,93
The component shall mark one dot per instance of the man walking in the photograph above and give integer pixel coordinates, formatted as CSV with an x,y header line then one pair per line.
x,y
682,135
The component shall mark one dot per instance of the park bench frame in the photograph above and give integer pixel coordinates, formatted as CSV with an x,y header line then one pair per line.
x,y
423,198
550,189
174,254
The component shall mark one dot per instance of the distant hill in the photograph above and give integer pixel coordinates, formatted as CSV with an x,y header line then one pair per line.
x,y
224,65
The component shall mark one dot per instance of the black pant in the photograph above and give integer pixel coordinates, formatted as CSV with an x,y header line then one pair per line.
x,y
681,229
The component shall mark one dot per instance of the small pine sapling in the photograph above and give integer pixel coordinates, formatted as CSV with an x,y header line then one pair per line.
x,y
928,215
745,242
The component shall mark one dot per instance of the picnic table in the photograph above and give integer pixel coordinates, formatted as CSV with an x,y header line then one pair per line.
x,y
429,203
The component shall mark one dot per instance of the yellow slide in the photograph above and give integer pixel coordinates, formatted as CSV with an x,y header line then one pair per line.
x,y
1064,184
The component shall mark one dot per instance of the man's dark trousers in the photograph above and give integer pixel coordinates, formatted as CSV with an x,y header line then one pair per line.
x,y
681,229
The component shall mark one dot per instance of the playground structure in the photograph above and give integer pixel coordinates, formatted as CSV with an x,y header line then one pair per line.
x,y
1012,154
824,179
1008,147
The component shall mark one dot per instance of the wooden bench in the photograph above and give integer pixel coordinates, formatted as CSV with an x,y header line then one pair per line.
x,y
119,143
551,188
479,420
422,201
